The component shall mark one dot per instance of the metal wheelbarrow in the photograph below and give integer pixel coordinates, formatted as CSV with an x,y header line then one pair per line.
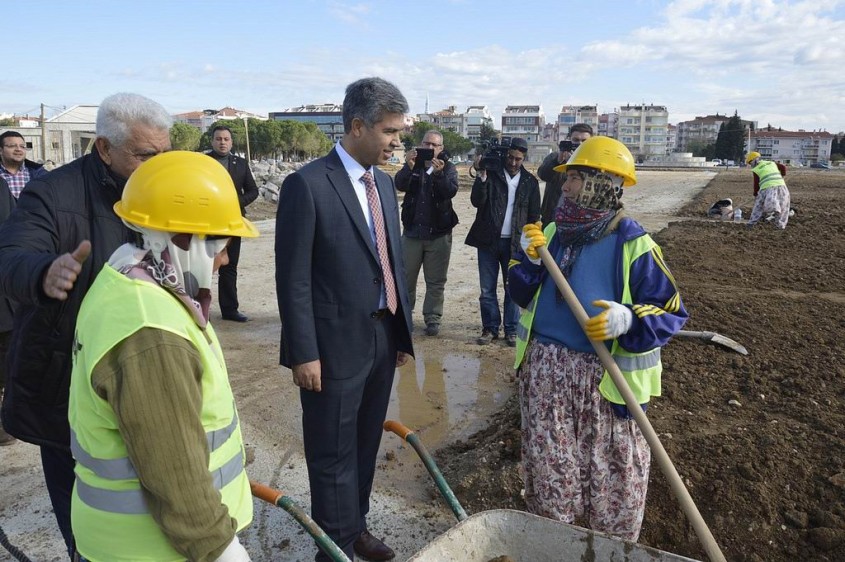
x,y
509,535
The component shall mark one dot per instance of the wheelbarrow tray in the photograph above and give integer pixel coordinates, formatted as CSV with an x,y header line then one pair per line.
x,y
525,537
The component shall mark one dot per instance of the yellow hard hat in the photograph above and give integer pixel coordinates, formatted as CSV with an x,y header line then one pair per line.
x,y
751,156
182,191
606,154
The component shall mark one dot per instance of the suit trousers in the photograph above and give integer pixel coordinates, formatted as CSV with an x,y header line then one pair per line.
x,y
433,256
342,429
227,289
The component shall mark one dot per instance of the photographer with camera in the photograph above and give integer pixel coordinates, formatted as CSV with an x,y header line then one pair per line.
x,y
578,133
506,196
429,182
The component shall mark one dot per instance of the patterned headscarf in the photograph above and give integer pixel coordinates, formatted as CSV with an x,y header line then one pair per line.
x,y
589,215
180,263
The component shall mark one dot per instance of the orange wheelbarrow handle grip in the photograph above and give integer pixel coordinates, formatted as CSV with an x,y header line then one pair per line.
x,y
398,428
265,493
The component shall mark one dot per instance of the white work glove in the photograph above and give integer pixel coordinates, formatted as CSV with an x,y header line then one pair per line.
x,y
611,323
531,239
235,552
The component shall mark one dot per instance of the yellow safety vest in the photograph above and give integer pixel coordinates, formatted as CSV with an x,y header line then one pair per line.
x,y
768,174
110,518
642,371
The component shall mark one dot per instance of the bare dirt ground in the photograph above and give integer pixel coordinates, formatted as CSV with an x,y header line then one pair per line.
x,y
768,475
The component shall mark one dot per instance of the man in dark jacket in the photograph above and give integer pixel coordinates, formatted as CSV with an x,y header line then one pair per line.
x,y
14,166
578,133
221,150
51,248
7,310
507,198
428,219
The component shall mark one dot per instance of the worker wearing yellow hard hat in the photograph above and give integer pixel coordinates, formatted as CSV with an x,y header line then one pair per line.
x,y
597,475
772,197
154,428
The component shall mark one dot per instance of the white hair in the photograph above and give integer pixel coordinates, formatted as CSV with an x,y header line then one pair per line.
x,y
118,113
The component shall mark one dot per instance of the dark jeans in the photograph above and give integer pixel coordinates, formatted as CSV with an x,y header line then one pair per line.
x,y
58,475
490,263
228,283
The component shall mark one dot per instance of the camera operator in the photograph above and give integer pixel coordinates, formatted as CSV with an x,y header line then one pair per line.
x,y
578,133
428,220
507,197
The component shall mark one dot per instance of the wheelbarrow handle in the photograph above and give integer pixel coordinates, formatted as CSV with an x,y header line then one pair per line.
x,y
265,493
398,428
414,441
279,499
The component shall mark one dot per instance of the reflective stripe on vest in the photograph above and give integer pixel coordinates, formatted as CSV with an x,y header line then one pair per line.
x,y
122,468
131,502
768,174
640,362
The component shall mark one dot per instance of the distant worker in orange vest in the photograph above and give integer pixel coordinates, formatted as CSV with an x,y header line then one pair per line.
x,y
772,195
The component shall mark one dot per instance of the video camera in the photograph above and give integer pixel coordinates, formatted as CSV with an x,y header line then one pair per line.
x,y
495,153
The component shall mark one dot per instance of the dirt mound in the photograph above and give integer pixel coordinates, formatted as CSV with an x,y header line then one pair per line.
x,y
759,440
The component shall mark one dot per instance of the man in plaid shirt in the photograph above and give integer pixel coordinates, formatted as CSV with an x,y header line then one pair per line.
x,y
14,166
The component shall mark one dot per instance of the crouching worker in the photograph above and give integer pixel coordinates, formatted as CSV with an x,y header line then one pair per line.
x,y
154,430
584,458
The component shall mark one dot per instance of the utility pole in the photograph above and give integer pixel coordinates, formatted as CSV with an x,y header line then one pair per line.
x,y
43,135
246,134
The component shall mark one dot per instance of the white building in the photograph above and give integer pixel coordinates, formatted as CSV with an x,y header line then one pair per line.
x,y
525,121
643,129
572,114
608,124
791,147
202,120
65,137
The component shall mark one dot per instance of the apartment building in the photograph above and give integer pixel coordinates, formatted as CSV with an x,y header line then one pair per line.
x,y
608,124
327,116
477,116
671,139
524,121
791,147
571,114
703,130
467,124
202,120
643,129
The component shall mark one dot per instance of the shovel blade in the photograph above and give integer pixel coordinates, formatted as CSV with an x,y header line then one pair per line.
x,y
715,338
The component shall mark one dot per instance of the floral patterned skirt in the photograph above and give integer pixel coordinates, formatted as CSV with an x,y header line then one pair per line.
x,y
581,463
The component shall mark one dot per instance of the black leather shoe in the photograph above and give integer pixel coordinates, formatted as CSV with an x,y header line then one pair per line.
x,y
236,317
371,548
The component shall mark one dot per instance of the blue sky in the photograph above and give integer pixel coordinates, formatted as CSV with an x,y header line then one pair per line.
x,y
774,62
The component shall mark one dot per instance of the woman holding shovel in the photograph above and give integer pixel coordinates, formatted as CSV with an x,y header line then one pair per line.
x,y
585,460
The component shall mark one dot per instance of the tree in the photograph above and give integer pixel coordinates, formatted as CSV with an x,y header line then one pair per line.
x,y
184,137
701,148
487,132
730,144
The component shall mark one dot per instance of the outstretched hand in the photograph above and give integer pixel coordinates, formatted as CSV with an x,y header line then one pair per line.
x,y
62,273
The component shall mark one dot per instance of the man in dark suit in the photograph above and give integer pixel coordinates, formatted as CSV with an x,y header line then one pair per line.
x,y
7,310
238,168
343,303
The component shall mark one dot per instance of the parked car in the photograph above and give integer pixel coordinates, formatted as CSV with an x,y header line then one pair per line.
x,y
821,165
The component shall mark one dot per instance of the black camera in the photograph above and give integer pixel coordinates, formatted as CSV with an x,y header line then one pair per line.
x,y
495,153
567,146
427,154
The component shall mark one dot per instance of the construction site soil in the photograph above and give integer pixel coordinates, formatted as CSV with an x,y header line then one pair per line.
x,y
759,440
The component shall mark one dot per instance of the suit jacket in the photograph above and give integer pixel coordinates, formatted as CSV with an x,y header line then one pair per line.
x,y
242,177
328,277
7,203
